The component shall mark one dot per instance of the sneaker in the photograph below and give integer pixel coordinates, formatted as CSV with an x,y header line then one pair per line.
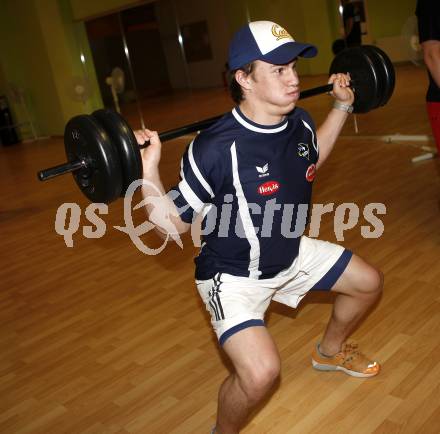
x,y
349,360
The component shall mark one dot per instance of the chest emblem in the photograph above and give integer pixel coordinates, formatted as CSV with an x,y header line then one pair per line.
x,y
263,171
303,150
311,172
268,188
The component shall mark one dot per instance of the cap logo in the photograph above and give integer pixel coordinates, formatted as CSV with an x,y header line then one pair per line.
x,y
280,33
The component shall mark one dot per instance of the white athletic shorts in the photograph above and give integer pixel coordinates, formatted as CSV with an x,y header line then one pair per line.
x,y
236,303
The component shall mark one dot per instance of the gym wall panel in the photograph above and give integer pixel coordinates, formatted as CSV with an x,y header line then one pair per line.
x,y
26,64
85,9
335,20
386,18
207,73
318,27
201,73
78,48
166,18
41,54
65,67
237,13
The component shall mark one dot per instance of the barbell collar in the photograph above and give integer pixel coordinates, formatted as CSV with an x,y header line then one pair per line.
x,y
61,169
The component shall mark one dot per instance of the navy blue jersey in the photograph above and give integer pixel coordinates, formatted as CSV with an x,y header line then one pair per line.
x,y
249,181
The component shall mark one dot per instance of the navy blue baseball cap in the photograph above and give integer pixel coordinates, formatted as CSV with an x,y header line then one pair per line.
x,y
267,41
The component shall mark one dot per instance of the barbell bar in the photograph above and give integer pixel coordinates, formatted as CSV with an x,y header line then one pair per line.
x,y
62,169
69,167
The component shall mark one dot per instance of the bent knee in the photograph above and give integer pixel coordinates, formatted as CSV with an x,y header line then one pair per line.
x,y
361,280
371,282
257,380
375,280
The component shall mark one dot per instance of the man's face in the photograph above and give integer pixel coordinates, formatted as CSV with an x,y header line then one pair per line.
x,y
275,85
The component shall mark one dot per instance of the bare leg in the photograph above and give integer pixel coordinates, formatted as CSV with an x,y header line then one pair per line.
x,y
257,365
358,288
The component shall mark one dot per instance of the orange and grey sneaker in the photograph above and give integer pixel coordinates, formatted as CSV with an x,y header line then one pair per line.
x,y
349,360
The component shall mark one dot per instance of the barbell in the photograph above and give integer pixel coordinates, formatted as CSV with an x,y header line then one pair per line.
x,y
104,156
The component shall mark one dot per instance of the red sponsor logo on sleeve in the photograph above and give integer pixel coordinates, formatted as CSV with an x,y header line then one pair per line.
x,y
311,172
269,187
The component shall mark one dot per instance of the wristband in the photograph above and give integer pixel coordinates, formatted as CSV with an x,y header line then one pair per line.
x,y
343,107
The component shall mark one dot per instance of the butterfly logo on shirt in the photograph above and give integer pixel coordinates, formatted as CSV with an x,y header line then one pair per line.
x,y
303,150
263,171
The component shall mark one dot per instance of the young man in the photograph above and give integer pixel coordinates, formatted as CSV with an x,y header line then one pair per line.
x,y
251,174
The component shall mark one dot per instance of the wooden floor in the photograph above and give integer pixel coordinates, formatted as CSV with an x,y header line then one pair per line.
x,y
100,338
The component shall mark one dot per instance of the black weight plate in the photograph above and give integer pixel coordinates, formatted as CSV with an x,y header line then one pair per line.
x,y
85,139
388,68
126,144
382,79
363,74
